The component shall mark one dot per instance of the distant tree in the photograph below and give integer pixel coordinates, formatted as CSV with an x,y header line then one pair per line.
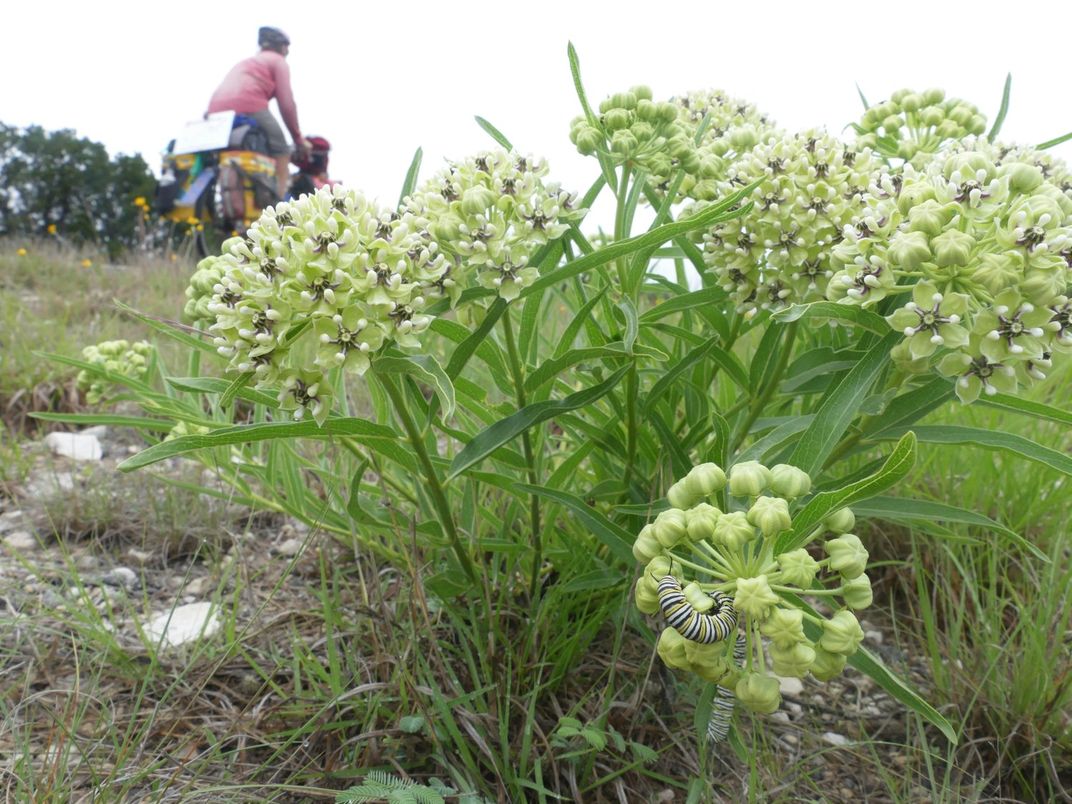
x,y
60,179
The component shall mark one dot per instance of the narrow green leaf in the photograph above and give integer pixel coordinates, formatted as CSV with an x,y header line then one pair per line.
x,y
214,385
863,100
232,390
527,336
554,366
697,298
833,311
424,368
505,430
1036,409
987,439
900,509
410,182
617,539
578,85
494,133
706,217
663,384
912,406
631,324
94,419
247,433
775,438
1002,110
1056,141
838,410
897,465
764,360
172,329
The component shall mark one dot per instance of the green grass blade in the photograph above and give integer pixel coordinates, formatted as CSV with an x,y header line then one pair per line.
x,y
94,419
505,430
1055,141
1037,410
840,408
896,466
863,100
214,385
1002,110
578,85
493,132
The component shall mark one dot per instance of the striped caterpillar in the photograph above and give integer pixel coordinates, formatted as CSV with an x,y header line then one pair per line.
x,y
706,628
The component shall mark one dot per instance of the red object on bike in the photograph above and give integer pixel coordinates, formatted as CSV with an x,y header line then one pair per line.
x,y
315,162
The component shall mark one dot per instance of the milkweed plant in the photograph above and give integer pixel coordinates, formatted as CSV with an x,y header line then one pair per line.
x,y
700,401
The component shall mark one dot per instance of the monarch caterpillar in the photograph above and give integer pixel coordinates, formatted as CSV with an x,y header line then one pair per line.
x,y
718,727
712,626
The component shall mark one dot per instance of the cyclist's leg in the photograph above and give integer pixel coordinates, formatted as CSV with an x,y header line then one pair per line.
x,y
277,148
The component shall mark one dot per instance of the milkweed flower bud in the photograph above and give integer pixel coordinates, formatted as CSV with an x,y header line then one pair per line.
x,y
789,481
646,546
697,597
759,693
655,570
734,530
646,598
857,593
826,665
749,479
701,521
848,557
708,661
770,515
670,527
754,597
784,627
841,521
797,568
842,633
671,649
795,660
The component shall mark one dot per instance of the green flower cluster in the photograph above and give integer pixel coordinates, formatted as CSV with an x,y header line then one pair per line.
x,y
811,187
116,357
984,235
633,128
488,215
914,125
728,128
201,288
322,283
733,552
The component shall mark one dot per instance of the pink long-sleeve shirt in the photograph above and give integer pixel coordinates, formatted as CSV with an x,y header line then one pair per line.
x,y
252,83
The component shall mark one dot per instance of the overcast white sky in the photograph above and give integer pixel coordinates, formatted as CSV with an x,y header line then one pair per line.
x,y
379,79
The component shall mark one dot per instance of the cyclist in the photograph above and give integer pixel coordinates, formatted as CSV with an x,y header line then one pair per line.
x,y
248,88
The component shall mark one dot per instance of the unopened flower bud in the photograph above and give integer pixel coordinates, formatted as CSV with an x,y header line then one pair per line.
x,y
669,527
705,479
770,515
646,546
708,661
647,600
789,481
842,633
847,555
908,250
841,521
759,693
857,593
798,568
827,665
749,479
784,627
952,247
794,661
476,200
671,649
697,597
754,597
701,521
734,530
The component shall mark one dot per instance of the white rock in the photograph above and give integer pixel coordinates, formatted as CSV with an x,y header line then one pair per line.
x,y
183,624
873,636
289,548
781,717
833,738
100,431
795,708
123,577
20,540
140,556
77,446
790,686
10,520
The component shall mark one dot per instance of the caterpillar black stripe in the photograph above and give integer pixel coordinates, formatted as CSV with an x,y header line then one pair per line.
x,y
718,727
712,626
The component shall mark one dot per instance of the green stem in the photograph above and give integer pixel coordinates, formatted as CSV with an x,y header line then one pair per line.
x,y
619,225
526,447
435,488
761,401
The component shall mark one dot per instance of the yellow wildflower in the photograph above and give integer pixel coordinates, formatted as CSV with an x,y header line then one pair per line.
x,y
52,228
140,202
87,262
21,252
